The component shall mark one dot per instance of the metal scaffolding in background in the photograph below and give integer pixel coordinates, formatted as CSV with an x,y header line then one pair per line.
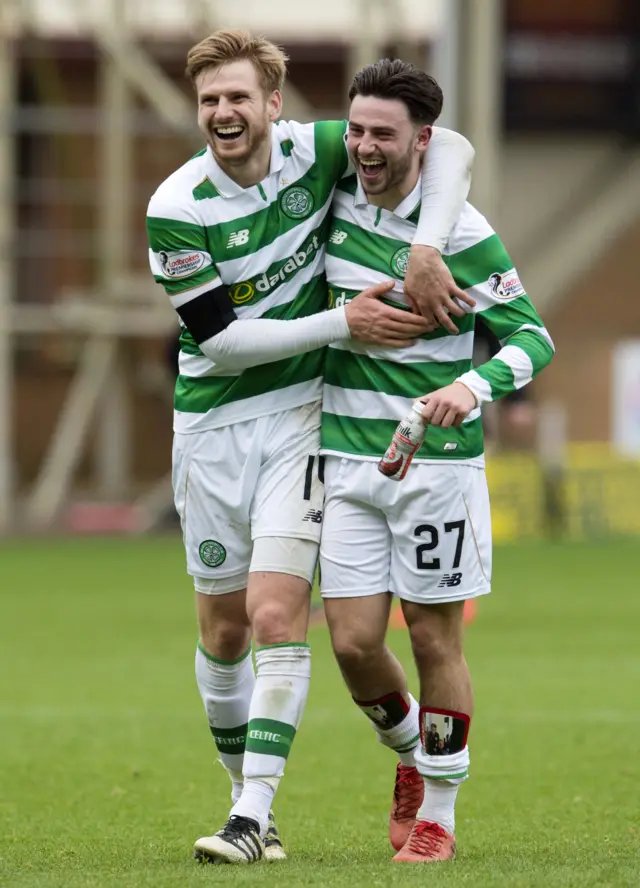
x,y
120,305
98,390
466,61
465,58
7,271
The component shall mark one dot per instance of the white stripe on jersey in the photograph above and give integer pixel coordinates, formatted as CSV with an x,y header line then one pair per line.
x,y
254,407
363,404
444,348
200,366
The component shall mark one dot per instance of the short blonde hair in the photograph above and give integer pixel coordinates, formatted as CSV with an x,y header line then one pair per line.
x,y
225,46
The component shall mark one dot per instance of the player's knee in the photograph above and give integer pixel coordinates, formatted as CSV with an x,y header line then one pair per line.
x,y
225,640
354,651
272,623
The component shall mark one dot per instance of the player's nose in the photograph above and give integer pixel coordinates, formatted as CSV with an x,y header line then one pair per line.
x,y
224,109
367,148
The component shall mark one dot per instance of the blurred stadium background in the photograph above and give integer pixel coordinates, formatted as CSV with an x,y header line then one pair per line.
x,y
96,112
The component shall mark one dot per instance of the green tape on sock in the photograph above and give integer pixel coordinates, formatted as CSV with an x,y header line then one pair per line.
x,y
230,740
266,736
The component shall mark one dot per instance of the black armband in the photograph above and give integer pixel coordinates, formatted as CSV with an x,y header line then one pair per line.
x,y
208,314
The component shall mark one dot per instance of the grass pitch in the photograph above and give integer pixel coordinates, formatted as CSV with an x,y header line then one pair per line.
x,y
107,770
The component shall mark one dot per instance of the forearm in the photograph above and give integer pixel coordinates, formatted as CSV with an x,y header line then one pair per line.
x,y
446,179
255,341
525,354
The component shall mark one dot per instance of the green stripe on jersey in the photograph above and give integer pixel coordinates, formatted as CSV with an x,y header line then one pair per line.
x,y
188,344
330,146
349,184
358,246
207,275
206,190
474,265
354,436
172,234
390,377
201,394
267,736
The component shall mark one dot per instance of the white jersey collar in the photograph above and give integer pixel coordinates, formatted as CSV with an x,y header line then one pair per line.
x,y
403,210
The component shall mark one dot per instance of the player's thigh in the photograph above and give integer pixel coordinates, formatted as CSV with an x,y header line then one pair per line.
x,y
213,480
355,549
441,526
289,492
357,625
436,630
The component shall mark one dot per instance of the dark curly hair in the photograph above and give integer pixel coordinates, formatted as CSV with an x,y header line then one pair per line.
x,y
395,79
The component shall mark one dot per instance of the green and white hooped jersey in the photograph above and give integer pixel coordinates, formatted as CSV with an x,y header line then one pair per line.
x,y
268,244
367,389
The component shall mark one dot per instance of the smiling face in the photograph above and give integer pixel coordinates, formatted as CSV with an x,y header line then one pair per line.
x,y
385,145
234,113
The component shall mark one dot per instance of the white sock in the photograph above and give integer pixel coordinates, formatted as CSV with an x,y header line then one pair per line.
x,y
443,775
275,713
226,689
403,737
439,803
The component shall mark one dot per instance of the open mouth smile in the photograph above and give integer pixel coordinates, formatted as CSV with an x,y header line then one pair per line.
x,y
228,133
371,169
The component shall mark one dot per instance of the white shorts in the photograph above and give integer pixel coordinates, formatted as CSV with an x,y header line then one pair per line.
x,y
253,479
426,538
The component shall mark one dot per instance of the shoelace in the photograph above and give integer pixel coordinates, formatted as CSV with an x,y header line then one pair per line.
x,y
406,806
426,837
237,825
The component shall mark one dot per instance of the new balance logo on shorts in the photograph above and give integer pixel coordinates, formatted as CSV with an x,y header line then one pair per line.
x,y
314,515
450,580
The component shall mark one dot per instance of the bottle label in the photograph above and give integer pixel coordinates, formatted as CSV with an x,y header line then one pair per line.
x,y
406,441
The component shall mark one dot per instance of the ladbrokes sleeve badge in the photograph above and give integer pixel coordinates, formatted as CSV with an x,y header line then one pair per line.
x,y
506,285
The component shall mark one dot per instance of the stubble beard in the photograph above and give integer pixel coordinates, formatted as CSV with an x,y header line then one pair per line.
x,y
255,135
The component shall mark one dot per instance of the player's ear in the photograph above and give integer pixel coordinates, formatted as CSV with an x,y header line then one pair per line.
x,y
274,105
423,137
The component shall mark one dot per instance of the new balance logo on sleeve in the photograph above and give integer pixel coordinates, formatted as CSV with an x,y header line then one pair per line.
x,y
238,238
314,515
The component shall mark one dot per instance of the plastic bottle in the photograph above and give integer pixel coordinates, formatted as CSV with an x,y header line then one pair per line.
x,y
406,441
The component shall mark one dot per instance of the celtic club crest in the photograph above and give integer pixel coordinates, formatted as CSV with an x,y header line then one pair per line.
x,y
212,553
297,202
400,262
